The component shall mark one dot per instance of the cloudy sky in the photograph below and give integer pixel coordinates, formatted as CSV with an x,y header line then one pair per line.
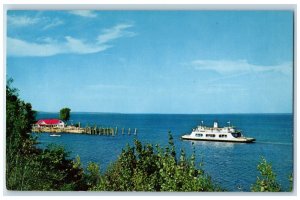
x,y
152,61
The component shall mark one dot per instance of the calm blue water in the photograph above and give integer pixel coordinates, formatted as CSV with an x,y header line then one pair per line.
x,y
232,165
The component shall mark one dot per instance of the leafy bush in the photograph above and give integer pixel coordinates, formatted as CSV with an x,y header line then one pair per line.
x,y
143,168
267,180
291,182
31,168
92,176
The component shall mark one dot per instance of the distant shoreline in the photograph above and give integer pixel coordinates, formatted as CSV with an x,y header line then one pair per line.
x,y
116,113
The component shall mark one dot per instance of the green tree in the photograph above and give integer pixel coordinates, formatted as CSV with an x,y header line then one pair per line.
x,y
266,182
92,175
145,168
64,114
291,182
19,144
28,167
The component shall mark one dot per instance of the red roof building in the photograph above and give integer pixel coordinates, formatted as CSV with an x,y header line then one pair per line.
x,y
50,123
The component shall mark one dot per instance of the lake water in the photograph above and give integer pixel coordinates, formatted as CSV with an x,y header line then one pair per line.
x,y
232,165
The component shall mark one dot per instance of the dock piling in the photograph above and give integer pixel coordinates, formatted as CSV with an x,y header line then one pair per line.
x,y
135,131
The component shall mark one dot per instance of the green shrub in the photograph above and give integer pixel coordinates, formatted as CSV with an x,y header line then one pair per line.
x,y
143,168
92,175
291,182
28,167
266,182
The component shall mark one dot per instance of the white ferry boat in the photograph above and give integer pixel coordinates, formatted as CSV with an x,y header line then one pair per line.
x,y
55,135
215,133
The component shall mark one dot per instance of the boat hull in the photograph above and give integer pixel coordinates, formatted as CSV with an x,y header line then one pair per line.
x,y
55,135
237,140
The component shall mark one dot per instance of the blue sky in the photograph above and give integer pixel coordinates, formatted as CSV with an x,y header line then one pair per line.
x,y
152,61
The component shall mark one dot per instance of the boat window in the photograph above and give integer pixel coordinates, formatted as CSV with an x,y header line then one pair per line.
x,y
199,135
222,136
210,135
236,134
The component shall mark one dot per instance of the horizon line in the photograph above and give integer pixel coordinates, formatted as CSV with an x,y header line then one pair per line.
x,y
98,112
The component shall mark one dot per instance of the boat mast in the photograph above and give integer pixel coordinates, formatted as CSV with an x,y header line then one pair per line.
x,y
228,123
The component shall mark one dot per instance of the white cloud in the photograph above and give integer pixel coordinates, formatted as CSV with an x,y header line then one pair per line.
x,y
77,46
115,32
49,47
53,23
17,47
84,13
107,86
22,20
227,67
46,40
221,87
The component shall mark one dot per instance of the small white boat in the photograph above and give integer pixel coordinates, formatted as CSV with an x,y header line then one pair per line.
x,y
218,134
55,135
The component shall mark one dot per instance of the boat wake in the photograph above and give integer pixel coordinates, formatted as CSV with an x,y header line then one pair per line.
x,y
277,143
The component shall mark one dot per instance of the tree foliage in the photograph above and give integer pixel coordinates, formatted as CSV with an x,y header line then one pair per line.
x,y
64,114
266,182
31,168
19,145
145,168
291,182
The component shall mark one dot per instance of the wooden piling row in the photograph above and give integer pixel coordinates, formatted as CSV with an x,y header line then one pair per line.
x,y
106,131
99,130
